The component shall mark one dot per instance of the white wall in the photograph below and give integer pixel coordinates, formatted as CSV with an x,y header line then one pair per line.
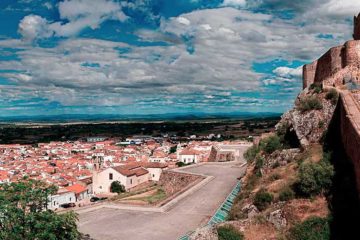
x,y
102,183
155,173
56,200
189,158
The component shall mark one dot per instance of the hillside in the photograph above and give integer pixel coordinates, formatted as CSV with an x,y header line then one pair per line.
x,y
303,179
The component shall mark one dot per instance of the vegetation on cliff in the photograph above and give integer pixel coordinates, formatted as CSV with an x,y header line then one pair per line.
x,y
291,190
287,187
228,232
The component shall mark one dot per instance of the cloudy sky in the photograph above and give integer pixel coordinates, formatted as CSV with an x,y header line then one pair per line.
x,y
161,56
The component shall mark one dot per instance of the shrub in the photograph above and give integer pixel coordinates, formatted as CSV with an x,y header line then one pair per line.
x,y
270,144
228,232
180,164
259,162
251,153
333,96
316,87
263,199
286,194
117,187
310,103
313,228
251,182
314,178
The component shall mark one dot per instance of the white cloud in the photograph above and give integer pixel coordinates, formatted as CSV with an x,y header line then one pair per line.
x,y
48,5
340,8
226,42
288,72
184,21
78,15
32,27
234,3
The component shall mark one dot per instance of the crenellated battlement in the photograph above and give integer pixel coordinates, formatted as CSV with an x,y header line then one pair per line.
x,y
356,34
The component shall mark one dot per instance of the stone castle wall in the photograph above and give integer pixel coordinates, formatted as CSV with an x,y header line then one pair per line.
x,y
332,62
338,66
350,130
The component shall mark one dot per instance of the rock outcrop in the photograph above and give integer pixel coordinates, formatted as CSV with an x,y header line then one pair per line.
x,y
277,218
205,233
281,157
309,126
250,211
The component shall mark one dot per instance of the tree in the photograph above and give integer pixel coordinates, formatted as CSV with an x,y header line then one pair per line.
x,y
270,144
173,149
117,187
24,213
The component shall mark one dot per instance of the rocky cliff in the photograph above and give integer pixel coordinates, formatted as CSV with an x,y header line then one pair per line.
x,y
310,163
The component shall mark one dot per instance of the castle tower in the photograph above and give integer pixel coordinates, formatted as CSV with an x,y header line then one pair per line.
x,y
357,27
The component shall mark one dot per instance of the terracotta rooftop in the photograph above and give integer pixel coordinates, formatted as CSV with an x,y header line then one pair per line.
x,y
131,171
189,152
76,188
154,165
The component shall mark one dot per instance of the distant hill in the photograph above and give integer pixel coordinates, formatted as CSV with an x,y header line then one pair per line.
x,y
151,117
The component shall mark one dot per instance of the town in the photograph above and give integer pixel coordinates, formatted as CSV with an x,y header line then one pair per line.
x,y
83,171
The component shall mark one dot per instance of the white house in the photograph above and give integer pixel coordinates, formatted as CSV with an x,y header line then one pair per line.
x,y
189,156
63,196
80,191
128,176
155,170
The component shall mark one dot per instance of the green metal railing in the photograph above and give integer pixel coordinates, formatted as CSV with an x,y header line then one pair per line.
x,y
222,212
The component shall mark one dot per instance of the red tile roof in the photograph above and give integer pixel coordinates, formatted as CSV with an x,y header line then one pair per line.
x,y
131,170
76,188
154,165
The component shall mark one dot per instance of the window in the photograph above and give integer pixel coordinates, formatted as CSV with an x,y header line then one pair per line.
x,y
130,181
153,175
110,176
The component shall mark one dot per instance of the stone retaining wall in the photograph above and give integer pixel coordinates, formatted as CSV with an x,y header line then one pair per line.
x,y
173,182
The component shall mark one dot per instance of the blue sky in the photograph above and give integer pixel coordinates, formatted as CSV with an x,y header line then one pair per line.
x,y
161,56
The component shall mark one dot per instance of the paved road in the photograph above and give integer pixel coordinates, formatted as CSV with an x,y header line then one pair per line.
x,y
191,212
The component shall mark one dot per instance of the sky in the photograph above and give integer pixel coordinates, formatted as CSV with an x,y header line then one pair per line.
x,y
162,56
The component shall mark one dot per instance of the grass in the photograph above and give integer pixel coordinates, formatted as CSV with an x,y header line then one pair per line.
x,y
154,198
333,96
129,194
310,103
